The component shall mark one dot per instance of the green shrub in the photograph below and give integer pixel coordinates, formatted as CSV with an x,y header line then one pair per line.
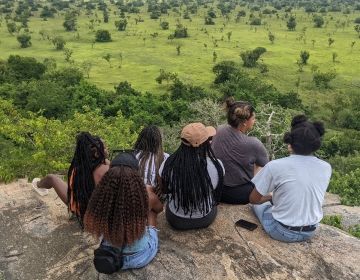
x,y
102,36
347,186
355,230
332,220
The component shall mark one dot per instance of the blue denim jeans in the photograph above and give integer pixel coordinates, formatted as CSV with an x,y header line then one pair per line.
x,y
144,257
272,227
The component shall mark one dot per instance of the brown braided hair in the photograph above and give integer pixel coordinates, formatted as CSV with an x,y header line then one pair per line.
x,y
118,207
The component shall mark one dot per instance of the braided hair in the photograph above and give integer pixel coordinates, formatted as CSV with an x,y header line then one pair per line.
x,y
89,154
119,207
149,144
186,177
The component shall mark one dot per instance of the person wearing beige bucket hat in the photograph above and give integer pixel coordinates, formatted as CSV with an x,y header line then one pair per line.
x,y
192,178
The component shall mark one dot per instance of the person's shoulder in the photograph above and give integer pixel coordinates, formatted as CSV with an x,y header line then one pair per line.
x,y
323,163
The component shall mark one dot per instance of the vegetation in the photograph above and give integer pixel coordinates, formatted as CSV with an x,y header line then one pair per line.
x,y
61,79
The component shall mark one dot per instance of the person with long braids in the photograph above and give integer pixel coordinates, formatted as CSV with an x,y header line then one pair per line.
x,y
122,212
192,177
87,167
150,153
241,154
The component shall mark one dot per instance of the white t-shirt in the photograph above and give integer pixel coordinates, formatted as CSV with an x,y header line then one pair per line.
x,y
214,177
298,184
151,162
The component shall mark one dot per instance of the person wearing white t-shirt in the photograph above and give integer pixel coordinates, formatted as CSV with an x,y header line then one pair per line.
x,y
298,184
150,154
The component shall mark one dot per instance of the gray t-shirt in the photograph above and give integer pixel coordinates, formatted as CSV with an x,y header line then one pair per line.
x,y
239,153
298,184
214,177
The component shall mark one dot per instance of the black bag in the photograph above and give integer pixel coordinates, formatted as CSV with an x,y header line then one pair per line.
x,y
108,259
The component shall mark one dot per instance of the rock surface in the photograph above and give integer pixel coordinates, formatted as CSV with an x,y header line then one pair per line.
x,y
39,241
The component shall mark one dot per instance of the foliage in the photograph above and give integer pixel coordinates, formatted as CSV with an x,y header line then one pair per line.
x,y
291,23
102,35
121,24
355,230
332,220
24,40
255,21
347,186
209,21
58,42
180,31
164,25
304,56
323,79
250,58
318,21
70,21
167,76
223,71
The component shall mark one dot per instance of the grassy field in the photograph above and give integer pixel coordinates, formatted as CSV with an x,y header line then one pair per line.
x,y
142,59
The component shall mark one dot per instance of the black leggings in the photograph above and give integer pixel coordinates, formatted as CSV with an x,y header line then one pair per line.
x,y
237,194
180,223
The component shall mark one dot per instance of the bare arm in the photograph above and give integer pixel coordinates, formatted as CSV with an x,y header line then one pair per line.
x,y
258,198
154,202
99,173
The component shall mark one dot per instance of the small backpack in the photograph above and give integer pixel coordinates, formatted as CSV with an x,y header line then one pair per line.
x,y
108,259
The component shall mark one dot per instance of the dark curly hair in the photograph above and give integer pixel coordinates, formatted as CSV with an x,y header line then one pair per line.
x,y
305,137
149,144
118,208
238,111
89,154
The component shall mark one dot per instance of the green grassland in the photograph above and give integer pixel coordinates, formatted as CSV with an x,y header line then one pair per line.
x,y
142,59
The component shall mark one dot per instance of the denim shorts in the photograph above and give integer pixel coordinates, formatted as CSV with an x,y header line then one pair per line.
x,y
144,257
275,229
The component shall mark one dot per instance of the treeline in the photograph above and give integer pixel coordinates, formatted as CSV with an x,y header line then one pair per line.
x,y
42,108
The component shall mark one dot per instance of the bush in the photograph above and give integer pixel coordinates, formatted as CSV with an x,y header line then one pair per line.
x,y
102,36
322,79
347,186
180,31
291,23
209,21
24,40
304,56
357,20
250,58
332,220
164,25
255,21
121,24
59,42
319,21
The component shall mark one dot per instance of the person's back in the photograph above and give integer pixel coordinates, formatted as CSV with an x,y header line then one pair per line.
x,y
238,152
298,184
301,183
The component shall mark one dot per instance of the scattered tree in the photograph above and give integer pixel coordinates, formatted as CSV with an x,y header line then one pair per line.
x,y
180,31
250,58
11,27
178,48
70,21
58,42
229,35
318,21
24,40
164,25
357,29
334,56
322,79
271,37
304,56
214,57
107,57
330,41
102,35
121,24
291,23
68,53
209,21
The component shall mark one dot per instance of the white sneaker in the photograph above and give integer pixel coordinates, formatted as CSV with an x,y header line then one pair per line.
x,y
40,191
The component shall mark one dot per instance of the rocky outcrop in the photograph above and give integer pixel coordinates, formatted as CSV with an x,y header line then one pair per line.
x,y
39,241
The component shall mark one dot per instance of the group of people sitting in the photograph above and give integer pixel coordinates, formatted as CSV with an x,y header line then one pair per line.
x,y
119,201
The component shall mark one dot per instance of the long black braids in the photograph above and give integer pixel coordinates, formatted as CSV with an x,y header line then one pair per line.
x,y
89,154
186,177
149,144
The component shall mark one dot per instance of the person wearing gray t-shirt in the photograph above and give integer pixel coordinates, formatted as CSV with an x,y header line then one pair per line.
x,y
298,184
240,154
